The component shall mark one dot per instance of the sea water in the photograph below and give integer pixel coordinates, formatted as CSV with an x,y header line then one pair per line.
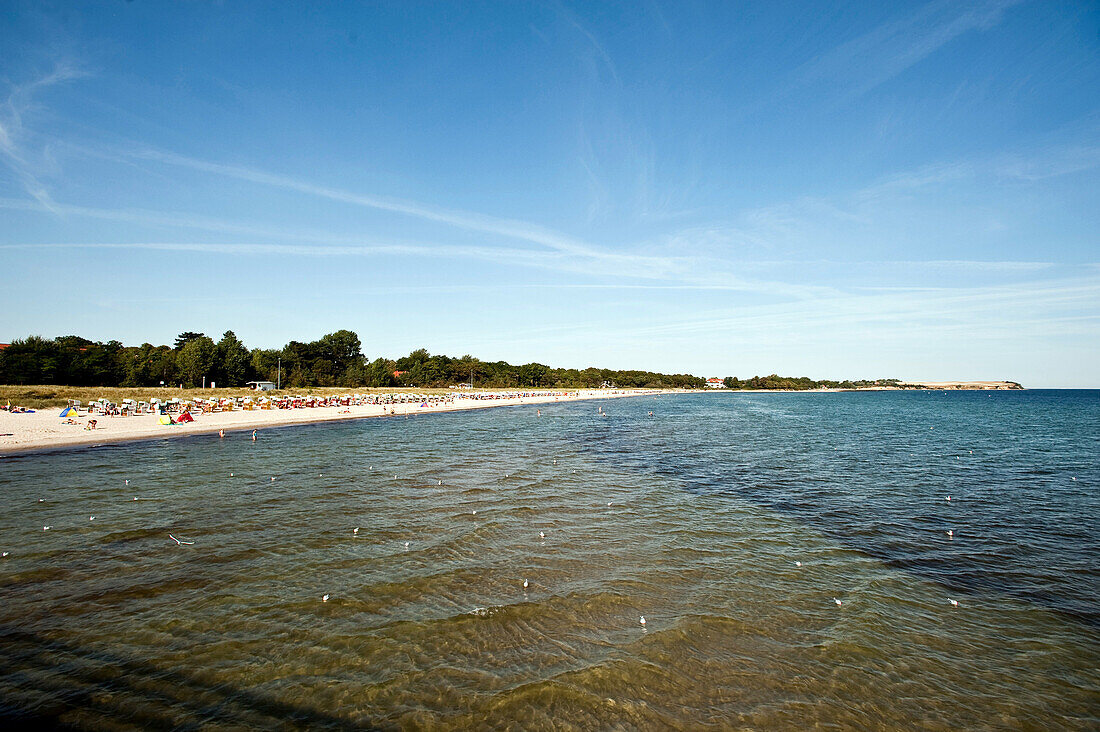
x,y
789,553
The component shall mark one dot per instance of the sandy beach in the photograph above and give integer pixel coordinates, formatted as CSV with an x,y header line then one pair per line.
x,y
44,429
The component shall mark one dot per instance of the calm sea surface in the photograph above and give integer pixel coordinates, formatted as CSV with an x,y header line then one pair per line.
x,y
695,518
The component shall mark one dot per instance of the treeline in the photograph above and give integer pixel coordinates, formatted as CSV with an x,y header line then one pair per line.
x,y
336,359
801,383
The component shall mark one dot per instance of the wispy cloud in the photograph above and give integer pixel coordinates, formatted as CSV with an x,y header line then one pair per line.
x,y
883,53
14,133
554,249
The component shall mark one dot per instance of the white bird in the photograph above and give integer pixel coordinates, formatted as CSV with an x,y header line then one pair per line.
x,y
838,602
324,598
320,475
950,534
542,534
127,482
395,477
355,530
370,468
1075,478
441,482
641,619
231,475
475,512
91,518
273,477
406,545
180,541
798,564
45,528
954,603
41,500
609,503
4,554
135,498
525,585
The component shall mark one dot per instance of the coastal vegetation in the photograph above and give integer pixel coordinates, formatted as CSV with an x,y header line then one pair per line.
x,y
803,383
334,360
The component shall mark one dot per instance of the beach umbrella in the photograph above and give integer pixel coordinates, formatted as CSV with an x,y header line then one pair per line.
x,y
69,412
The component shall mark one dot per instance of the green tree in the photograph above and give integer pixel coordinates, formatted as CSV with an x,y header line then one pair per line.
x,y
532,374
186,337
417,357
341,350
196,360
30,360
265,364
233,360
380,372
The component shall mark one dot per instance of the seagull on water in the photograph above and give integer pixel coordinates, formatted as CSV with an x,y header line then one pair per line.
x,y
45,528
324,598
525,584
838,602
641,619
441,482
355,530
406,545
798,564
950,534
542,534
949,499
5,554
954,603
91,518
180,541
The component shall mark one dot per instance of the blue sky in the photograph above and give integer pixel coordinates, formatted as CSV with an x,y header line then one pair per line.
x,y
837,190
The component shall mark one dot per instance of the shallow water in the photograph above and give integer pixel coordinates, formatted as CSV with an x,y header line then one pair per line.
x,y
110,624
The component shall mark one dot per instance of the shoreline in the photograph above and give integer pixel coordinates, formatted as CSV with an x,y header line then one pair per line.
x,y
43,430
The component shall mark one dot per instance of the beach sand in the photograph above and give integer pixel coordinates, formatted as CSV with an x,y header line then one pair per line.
x,y
44,429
